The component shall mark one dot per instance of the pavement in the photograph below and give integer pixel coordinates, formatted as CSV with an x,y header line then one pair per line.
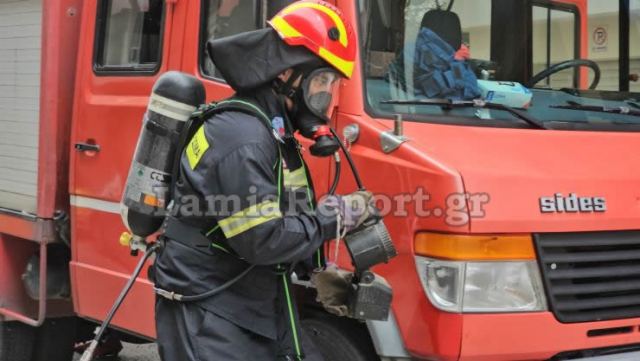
x,y
131,352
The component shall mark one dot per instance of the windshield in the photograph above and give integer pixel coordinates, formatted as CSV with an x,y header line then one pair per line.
x,y
558,62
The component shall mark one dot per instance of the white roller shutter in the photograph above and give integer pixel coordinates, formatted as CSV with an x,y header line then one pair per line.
x,y
20,25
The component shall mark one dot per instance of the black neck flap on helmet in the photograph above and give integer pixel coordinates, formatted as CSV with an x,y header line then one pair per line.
x,y
251,59
254,59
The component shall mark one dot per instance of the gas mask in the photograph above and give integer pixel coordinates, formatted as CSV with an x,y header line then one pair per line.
x,y
313,100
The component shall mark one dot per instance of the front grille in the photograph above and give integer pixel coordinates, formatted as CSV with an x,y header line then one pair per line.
x,y
607,351
592,276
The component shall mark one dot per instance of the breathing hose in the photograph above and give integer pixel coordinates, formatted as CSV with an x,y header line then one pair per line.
x,y
336,178
87,355
203,296
352,165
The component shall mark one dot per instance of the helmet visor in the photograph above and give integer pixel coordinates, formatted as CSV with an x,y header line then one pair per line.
x,y
319,88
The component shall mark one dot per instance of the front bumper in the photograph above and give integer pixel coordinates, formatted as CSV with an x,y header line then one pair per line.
x,y
539,336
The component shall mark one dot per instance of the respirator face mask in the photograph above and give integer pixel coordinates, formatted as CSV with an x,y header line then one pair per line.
x,y
314,100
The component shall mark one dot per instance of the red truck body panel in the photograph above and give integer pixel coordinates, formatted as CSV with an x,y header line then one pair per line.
x,y
23,235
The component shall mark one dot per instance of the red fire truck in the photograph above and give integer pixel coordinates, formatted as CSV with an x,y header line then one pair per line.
x,y
517,226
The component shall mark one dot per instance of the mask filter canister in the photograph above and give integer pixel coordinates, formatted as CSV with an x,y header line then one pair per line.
x,y
370,295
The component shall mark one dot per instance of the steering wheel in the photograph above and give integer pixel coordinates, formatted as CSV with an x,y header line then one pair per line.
x,y
575,63
478,65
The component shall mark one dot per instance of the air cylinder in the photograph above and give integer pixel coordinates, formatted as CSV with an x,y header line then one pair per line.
x,y
174,98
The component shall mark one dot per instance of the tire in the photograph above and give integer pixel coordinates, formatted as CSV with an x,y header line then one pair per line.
x,y
17,341
339,339
55,340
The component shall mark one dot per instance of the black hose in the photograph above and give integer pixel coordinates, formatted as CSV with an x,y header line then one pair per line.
x,y
336,178
88,353
354,170
217,290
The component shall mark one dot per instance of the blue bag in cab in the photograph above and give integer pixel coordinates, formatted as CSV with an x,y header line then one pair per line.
x,y
437,74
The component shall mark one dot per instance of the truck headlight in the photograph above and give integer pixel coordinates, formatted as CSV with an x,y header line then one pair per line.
x,y
481,283
443,282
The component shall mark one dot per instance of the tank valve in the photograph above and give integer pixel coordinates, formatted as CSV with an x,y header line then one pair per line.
x,y
125,239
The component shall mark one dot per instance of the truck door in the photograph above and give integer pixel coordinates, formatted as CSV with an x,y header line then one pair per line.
x,y
126,46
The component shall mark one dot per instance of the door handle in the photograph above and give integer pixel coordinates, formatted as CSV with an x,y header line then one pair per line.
x,y
87,147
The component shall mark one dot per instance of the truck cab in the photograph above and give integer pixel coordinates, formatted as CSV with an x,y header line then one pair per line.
x,y
516,221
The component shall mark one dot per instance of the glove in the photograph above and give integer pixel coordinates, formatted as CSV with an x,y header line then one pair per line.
x,y
357,208
354,208
332,285
464,53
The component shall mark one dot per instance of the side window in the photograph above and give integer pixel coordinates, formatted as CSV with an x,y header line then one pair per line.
x,y
555,39
604,23
128,36
229,17
634,45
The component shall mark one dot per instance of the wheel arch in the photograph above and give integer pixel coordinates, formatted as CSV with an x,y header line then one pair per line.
x,y
385,335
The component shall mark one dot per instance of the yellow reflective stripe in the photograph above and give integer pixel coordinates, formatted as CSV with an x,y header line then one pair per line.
x,y
283,27
250,217
292,318
295,179
346,67
309,197
197,147
287,31
332,14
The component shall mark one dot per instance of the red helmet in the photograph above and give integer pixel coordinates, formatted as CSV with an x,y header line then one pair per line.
x,y
321,28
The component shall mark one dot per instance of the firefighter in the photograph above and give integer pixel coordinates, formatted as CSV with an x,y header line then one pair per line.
x,y
243,215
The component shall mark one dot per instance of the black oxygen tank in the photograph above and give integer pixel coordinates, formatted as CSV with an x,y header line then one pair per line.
x,y
174,98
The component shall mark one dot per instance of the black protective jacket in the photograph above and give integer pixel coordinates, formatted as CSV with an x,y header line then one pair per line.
x,y
250,194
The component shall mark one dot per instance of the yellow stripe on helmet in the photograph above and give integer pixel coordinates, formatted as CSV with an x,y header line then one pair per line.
x,y
346,67
283,27
332,14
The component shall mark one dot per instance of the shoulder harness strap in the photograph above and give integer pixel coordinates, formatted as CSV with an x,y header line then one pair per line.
x,y
205,112
233,104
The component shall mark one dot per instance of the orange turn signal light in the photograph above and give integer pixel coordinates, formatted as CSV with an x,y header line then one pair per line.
x,y
151,200
474,247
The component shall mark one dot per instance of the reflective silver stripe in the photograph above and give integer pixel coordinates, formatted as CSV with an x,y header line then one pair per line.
x,y
170,108
250,217
95,204
387,339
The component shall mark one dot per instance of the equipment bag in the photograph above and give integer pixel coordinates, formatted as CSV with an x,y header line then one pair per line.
x,y
437,74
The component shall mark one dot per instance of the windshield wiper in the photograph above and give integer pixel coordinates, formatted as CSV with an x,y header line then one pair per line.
x,y
571,105
633,104
447,104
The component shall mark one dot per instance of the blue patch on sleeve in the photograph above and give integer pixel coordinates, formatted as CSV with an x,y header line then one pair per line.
x,y
278,125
